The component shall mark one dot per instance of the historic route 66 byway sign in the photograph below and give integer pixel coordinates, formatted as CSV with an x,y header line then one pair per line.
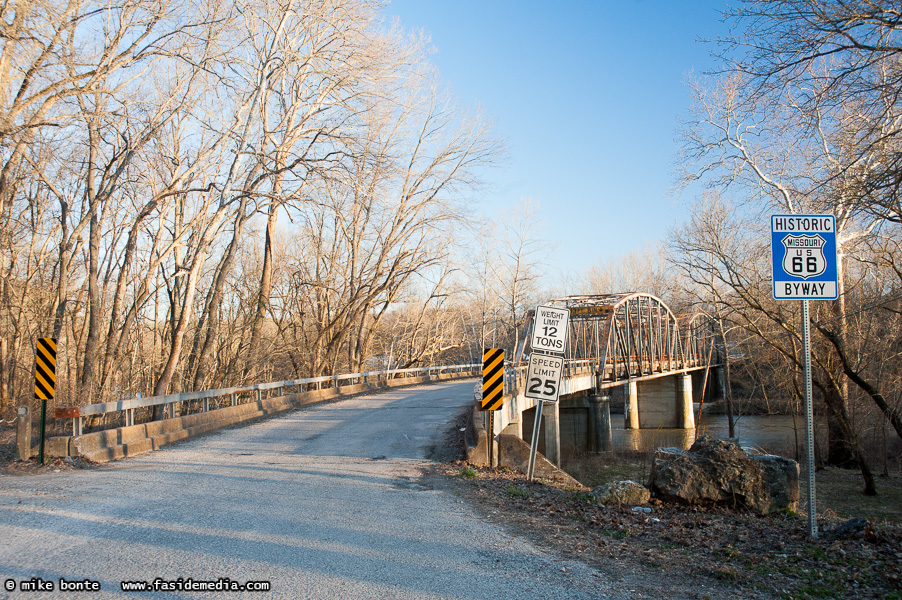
x,y
803,248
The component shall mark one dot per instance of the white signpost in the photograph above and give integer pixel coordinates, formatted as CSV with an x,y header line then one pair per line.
x,y
549,329
546,365
804,263
543,377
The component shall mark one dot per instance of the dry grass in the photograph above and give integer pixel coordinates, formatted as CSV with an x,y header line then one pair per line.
x,y
839,491
687,552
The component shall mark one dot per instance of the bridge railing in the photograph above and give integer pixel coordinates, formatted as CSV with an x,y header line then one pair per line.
x,y
209,398
609,374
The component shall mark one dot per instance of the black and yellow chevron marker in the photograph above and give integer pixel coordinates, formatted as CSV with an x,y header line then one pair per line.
x,y
492,379
45,368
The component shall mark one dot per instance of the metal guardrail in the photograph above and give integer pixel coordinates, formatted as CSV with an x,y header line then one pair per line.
x,y
78,413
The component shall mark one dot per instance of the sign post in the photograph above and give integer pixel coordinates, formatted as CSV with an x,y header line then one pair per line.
x,y
546,366
44,380
805,265
492,392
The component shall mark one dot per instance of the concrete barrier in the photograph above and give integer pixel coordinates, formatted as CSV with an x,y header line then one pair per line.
x,y
512,452
477,440
112,444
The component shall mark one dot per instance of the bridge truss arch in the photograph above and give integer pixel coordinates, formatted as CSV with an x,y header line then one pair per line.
x,y
632,336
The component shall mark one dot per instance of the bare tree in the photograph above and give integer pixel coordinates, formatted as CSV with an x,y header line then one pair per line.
x,y
723,255
644,270
199,192
517,274
841,51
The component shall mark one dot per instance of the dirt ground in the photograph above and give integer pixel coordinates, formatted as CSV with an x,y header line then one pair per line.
x,y
677,552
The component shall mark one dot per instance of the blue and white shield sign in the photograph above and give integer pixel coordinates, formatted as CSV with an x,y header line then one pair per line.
x,y
804,257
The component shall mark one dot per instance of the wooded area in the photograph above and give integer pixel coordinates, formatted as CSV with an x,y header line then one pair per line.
x,y
805,117
198,194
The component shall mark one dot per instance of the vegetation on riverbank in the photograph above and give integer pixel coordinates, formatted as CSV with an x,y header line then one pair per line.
x,y
676,551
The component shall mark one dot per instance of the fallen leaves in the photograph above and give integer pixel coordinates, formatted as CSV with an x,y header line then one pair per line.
x,y
674,551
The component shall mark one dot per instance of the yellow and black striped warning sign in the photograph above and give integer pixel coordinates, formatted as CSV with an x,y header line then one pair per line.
x,y
45,368
492,379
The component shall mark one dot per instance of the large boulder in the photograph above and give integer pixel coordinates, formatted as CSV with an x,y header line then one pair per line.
x,y
717,471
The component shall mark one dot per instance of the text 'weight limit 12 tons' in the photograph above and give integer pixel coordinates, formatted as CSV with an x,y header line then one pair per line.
x,y
549,332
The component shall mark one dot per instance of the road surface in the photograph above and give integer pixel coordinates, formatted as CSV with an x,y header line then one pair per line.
x,y
325,502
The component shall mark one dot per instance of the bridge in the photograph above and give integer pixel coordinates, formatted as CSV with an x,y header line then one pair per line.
x,y
626,350
621,348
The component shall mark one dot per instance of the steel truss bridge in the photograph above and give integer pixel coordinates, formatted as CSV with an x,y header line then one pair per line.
x,y
630,337
631,340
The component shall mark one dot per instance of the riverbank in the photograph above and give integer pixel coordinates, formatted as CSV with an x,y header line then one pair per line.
x,y
683,553
680,552
838,491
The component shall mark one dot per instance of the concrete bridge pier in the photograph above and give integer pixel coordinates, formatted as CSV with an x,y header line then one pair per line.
x,y
666,403
551,422
684,400
712,389
600,437
631,406
549,430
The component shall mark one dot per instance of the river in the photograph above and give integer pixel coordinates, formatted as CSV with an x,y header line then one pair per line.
x,y
770,433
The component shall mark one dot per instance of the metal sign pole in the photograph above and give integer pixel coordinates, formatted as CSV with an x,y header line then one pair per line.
x,y
805,266
491,437
44,380
535,441
809,420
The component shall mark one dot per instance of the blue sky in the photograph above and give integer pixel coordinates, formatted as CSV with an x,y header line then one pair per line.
x,y
586,96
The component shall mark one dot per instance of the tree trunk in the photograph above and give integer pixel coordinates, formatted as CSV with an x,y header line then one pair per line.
x,y
728,390
4,389
893,416
181,326
178,333
208,328
263,293
92,349
847,438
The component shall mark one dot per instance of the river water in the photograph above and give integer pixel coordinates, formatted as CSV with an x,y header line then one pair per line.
x,y
770,433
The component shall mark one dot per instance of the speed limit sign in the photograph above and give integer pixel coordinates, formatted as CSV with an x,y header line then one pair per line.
x,y
543,377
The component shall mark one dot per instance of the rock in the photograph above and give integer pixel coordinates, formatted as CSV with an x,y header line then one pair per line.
x,y
627,493
717,471
782,477
851,529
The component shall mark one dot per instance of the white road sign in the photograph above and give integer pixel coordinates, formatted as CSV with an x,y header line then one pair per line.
x,y
804,260
549,331
543,377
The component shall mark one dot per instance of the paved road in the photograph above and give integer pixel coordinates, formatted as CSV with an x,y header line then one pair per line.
x,y
325,503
